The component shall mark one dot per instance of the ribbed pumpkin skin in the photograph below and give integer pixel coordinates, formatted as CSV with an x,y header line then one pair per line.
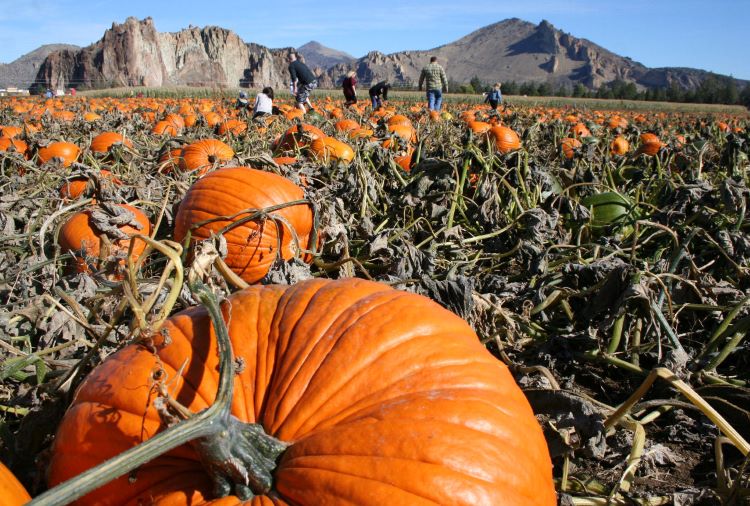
x,y
252,246
387,398
67,151
505,139
12,493
202,155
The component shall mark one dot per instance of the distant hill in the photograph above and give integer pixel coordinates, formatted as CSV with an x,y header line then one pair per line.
x,y
22,72
318,55
134,53
516,50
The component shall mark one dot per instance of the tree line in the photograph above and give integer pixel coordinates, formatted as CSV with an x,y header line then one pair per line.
x,y
713,90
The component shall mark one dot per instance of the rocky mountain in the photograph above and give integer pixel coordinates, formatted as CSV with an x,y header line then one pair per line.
x,y
516,50
22,72
134,53
318,55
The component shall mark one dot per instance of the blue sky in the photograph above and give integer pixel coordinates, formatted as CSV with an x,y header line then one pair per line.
x,y
689,33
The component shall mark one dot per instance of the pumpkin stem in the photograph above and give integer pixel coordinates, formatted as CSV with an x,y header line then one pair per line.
x,y
236,453
215,424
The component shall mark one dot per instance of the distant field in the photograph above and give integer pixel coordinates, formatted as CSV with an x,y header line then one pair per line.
x,y
417,96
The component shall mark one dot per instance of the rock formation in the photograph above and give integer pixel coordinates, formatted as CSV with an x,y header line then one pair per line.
x,y
22,72
135,54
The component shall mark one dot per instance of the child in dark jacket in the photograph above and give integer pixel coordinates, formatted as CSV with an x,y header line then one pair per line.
x,y
494,97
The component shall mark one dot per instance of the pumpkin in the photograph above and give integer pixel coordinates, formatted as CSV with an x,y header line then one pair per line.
x,y
570,146
405,131
176,120
10,131
285,160
91,117
104,142
504,139
406,159
346,125
607,208
478,127
617,122
169,160
165,128
384,396
11,143
204,155
78,185
212,118
12,493
293,114
232,127
79,234
619,146
580,130
361,133
293,138
67,152
330,148
650,144
252,246
399,119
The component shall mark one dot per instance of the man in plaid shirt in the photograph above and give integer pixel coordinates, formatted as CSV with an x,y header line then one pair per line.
x,y
434,74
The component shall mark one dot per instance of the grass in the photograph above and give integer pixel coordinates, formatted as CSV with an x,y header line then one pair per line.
x,y
450,98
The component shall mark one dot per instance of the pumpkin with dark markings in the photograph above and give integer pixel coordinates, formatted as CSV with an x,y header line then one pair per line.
x,y
254,245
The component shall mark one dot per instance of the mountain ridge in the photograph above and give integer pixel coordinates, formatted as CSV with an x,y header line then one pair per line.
x,y
135,53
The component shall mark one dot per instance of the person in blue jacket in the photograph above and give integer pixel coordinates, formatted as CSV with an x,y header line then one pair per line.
x,y
494,97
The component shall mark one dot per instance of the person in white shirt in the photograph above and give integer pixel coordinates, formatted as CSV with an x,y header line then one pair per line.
x,y
263,103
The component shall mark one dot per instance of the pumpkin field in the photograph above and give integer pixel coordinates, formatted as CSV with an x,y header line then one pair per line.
x,y
534,305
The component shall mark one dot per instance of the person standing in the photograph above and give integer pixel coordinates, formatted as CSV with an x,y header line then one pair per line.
x,y
350,90
302,83
495,96
435,81
379,94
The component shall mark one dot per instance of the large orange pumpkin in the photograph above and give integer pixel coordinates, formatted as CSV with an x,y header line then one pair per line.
x,y
253,246
67,152
204,154
12,493
384,396
79,234
504,139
